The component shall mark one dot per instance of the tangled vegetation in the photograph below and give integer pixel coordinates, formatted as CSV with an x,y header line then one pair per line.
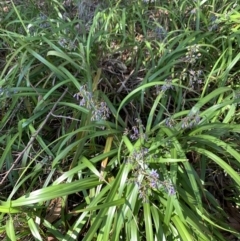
x,y
119,120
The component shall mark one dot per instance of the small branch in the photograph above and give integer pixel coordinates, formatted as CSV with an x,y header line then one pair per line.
x,y
34,135
65,117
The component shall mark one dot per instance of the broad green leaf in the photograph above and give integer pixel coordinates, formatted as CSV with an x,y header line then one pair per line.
x,y
34,229
52,192
10,230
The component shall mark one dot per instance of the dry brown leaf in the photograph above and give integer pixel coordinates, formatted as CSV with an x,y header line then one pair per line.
x,y
51,239
54,210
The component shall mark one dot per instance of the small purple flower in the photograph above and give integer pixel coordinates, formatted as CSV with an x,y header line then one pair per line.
x,y
190,121
82,102
171,190
135,130
76,96
166,87
153,174
135,134
195,77
193,54
169,122
153,184
185,123
153,178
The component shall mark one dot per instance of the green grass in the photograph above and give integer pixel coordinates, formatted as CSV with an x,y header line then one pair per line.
x,y
119,120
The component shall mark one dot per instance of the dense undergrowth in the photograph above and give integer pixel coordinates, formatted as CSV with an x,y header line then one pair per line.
x,y
119,120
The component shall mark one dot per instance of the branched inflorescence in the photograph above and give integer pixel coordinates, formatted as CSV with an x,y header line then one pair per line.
x,y
186,123
214,23
170,122
145,178
194,77
99,109
193,54
167,86
161,33
137,131
190,121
